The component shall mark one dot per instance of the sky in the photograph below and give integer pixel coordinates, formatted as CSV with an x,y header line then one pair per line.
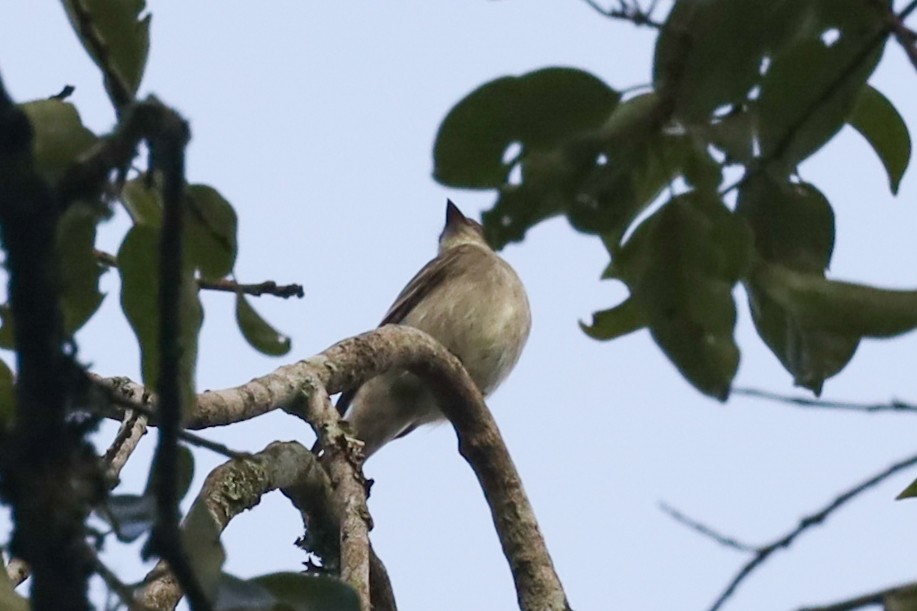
x,y
316,120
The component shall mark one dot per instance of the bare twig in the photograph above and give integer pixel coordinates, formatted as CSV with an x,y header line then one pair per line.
x,y
628,12
132,430
893,406
904,35
763,552
268,287
885,597
705,530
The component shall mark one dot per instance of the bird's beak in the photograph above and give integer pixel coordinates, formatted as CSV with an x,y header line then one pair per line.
x,y
454,216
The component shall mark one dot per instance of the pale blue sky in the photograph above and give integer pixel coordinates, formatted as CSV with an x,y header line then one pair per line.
x,y
316,120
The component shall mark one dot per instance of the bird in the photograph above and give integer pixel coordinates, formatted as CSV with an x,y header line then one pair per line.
x,y
471,301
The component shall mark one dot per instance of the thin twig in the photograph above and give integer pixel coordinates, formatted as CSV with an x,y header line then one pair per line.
x,y
806,523
268,287
625,12
894,405
705,530
903,34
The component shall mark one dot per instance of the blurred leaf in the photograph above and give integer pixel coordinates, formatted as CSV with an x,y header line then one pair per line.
x,y
201,539
809,90
709,54
138,264
257,332
681,265
79,269
733,134
118,25
537,110
310,592
879,122
793,225
839,307
130,515
211,232
59,137
7,396
9,600
142,202
234,594
909,492
615,322
184,474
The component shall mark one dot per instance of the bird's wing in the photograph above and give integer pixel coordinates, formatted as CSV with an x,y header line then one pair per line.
x,y
431,275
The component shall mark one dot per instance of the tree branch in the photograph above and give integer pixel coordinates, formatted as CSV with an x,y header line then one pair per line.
x,y
764,552
893,406
628,12
232,488
705,530
349,363
905,36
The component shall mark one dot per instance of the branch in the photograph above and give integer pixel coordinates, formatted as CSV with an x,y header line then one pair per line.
x,y
268,287
904,35
870,408
805,523
349,363
232,488
906,593
628,12
704,530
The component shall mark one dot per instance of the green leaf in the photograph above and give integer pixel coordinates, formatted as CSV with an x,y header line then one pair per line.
x,y
120,28
681,265
709,54
201,539
138,265
234,594
130,515
537,110
909,492
733,134
9,599
6,327
142,201
257,332
211,232
879,122
840,307
7,397
615,322
184,474
793,223
310,592
811,88
59,137
79,269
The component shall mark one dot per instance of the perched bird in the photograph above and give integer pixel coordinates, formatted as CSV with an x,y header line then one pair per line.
x,y
473,303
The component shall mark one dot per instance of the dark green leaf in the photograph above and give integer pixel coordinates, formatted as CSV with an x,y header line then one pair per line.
x,y
793,223
130,515
6,328
58,136
257,332
138,264
79,269
811,87
840,307
201,539
518,208
211,232
615,322
7,396
879,122
537,110
733,134
120,28
681,265
310,592
234,594
909,492
709,53
184,474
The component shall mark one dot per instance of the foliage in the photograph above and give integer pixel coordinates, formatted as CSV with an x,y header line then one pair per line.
x,y
794,74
